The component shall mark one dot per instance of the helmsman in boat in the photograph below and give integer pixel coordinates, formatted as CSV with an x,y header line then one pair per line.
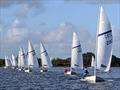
x,y
84,73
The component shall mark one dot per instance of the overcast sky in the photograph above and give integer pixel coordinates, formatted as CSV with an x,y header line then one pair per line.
x,y
53,22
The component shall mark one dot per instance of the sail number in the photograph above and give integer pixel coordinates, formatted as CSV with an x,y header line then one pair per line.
x,y
79,49
108,38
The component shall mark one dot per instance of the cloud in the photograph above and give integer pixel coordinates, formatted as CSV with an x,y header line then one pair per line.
x,y
16,32
60,39
31,3
57,40
26,6
95,1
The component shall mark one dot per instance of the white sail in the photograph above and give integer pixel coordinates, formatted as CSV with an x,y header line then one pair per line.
x,y
14,62
92,62
32,59
109,64
22,58
44,57
76,55
7,62
104,41
19,59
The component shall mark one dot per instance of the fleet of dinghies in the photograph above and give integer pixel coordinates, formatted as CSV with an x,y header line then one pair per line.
x,y
103,53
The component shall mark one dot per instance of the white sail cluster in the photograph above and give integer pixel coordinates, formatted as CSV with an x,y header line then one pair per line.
x,y
29,61
104,41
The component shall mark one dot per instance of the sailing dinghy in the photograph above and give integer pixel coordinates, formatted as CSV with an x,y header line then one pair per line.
x,y
45,59
103,46
76,56
7,62
14,62
33,65
21,60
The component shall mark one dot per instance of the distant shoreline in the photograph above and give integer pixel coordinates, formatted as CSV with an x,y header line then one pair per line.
x,y
87,57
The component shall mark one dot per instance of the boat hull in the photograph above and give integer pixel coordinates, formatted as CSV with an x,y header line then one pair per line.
x,y
90,79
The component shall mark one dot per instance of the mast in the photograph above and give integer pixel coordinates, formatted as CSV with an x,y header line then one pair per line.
x,y
95,65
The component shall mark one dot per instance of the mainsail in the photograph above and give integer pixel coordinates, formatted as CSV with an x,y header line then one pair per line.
x,y
46,63
76,54
32,59
14,62
104,41
22,58
7,62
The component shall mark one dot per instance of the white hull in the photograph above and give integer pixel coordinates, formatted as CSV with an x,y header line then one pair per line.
x,y
27,71
90,79
68,73
43,70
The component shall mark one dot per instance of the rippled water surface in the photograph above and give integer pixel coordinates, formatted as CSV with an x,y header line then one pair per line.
x,y
11,79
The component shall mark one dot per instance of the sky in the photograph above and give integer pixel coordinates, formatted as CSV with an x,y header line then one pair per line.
x,y
53,22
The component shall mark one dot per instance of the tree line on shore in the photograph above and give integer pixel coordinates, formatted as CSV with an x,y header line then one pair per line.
x,y
87,57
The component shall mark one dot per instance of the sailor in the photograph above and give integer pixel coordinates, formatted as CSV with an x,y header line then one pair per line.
x,y
84,72
65,70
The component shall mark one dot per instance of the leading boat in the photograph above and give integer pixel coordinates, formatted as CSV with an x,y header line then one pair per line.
x,y
103,47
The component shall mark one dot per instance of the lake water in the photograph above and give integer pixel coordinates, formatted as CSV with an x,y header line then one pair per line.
x,y
11,79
